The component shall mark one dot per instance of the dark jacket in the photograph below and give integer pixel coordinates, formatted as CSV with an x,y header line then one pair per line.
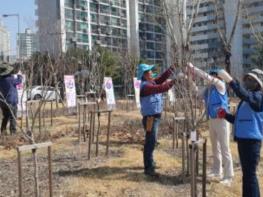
x,y
8,89
253,98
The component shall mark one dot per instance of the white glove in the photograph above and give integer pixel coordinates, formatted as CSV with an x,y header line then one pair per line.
x,y
178,76
190,65
225,76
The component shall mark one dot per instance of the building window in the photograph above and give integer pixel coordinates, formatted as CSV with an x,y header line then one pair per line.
x,y
82,27
150,45
115,11
83,38
69,14
69,3
69,25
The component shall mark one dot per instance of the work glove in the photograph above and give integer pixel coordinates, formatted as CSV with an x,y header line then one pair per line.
x,y
178,76
221,113
225,76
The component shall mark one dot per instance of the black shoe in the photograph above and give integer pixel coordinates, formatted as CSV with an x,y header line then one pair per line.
x,y
150,172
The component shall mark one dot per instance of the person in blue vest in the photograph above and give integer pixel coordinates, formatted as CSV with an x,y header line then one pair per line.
x,y
8,96
151,101
215,97
248,125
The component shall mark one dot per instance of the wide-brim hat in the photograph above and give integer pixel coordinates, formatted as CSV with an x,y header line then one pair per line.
x,y
142,68
5,69
257,75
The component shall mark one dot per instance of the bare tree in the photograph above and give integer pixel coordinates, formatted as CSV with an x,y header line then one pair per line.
x,y
179,31
129,64
226,35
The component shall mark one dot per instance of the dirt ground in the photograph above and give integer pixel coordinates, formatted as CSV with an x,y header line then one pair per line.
x,y
119,174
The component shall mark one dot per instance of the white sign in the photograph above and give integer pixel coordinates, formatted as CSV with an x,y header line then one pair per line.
x,y
137,84
193,136
171,96
70,87
22,95
108,86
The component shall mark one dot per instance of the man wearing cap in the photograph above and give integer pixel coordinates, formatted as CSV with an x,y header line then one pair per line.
x,y
248,125
8,96
215,96
151,108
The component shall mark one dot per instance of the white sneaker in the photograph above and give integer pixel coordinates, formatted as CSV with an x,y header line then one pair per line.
x,y
226,181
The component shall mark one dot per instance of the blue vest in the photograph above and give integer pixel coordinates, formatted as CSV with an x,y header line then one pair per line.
x,y
152,104
214,100
248,123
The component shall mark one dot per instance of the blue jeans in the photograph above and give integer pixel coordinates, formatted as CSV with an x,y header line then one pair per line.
x,y
249,153
150,140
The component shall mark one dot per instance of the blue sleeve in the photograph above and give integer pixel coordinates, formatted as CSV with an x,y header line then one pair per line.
x,y
18,80
254,99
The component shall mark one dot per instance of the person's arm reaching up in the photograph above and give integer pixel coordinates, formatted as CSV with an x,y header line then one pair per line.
x,y
150,88
254,99
164,76
220,85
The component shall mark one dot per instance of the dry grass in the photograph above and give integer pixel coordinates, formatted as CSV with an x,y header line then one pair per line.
x,y
122,175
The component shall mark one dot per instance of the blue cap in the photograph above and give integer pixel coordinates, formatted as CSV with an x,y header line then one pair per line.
x,y
214,70
143,68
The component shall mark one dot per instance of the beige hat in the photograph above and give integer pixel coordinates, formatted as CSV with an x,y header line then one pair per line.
x,y
256,74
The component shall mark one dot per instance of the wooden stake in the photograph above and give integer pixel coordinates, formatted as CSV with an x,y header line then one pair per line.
x,y
50,171
19,172
108,133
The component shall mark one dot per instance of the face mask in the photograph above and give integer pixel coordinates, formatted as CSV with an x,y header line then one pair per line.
x,y
154,75
250,84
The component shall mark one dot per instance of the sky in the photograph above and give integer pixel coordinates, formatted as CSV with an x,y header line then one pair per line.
x,y
25,9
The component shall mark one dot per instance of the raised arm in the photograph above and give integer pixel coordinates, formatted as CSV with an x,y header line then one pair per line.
x,y
164,76
255,99
220,85
149,89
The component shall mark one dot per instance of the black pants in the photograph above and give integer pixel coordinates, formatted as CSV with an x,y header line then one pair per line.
x,y
249,153
9,114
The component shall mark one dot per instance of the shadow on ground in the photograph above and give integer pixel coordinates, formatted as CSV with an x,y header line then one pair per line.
x,y
123,173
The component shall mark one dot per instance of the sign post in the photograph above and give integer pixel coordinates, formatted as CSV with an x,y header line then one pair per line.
x,y
70,87
137,84
108,86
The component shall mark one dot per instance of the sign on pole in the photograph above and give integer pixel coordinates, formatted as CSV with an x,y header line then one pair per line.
x,y
22,96
108,86
171,96
70,87
137,84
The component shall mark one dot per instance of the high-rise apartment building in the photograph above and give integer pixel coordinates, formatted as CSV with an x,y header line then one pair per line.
x,y
82,23
27,44
150,30
252,27
120,25
4,43
206,44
